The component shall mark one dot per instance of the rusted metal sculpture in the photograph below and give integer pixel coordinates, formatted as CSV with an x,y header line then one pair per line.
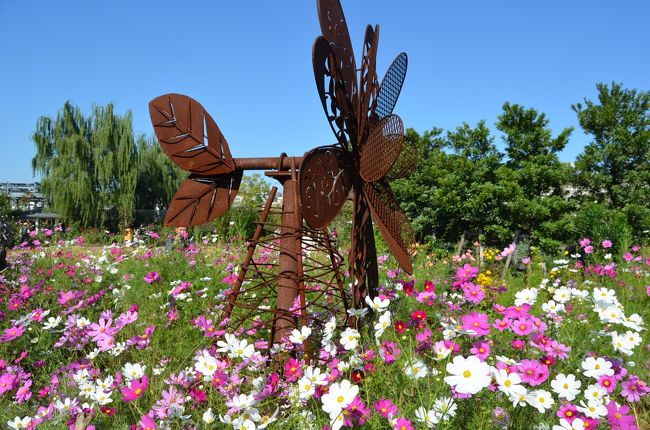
x,y
370,150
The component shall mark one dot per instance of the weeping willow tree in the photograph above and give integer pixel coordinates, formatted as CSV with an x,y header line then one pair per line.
x,y
92,167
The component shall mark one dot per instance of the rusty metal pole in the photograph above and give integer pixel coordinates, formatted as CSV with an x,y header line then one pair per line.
x,y
288,282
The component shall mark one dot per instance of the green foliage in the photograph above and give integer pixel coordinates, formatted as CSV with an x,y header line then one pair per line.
x,y
615,167
94,173
5,205
598,222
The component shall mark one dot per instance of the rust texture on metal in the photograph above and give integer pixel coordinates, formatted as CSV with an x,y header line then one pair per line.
x,y
303,283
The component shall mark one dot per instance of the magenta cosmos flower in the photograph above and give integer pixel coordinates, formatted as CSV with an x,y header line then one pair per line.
x,y
385,408
136,389
479,323
607,244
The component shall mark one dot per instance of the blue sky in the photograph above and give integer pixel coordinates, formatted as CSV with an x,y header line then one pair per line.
x,y
249,63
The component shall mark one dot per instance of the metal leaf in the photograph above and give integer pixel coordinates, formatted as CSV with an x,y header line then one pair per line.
x,y
393,224
332,92
335,30
382,148
324,183
201,199
391,86
189,136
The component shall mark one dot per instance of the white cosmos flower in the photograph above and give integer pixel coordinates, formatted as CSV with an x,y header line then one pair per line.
x,y
382,324
468,375
445,408
350,339
206,364
377,304
101,397
566,386
427,417
593,408
604,295
315,376
508,382
540,400
416,369
551,307
306,388
328,331
133,371
230,340
339,396
562,295
595,392
208,416
300,336
527,295
596,367
241,349
576,424
19,423
612,314
52,323
243,401
518,396
337,419
622,343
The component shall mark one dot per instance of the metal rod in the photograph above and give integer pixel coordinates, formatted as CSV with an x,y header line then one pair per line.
x,y
232,297
266,163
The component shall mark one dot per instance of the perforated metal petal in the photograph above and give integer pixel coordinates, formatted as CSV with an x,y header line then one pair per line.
x,y
391,86
383,146
393,224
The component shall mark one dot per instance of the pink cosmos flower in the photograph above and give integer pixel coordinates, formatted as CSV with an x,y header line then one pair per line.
x,y
473,293
584,242
23,393
501,325
11,333
147,423
476,322
292,369
151,277
608,383
633,389
403,424
514,312
619,418
532,372
481,350
385,408
101,329
522,327
525,261
589,249
135,390
7,382
568,411
558,350
607,244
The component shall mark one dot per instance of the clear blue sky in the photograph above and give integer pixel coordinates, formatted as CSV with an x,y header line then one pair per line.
x,y
249,63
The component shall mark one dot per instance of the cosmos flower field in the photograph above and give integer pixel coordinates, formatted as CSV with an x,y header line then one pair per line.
x,y
128,336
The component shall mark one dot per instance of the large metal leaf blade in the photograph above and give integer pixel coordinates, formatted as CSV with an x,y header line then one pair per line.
x,y
324,183
391,86
189,136
335,30
331,91
199,200
393,224
382,148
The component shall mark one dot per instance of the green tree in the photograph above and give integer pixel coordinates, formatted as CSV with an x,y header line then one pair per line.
x,y
94,173
5,205
540,176
615,167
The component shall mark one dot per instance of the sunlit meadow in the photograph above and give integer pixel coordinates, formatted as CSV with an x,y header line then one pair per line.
x,y
128,336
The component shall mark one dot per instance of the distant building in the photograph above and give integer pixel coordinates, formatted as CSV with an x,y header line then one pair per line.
x,y
24,197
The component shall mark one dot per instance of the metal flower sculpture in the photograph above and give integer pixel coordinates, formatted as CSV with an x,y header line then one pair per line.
x,y
370,150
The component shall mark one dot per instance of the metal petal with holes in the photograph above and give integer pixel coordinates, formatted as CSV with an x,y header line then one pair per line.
x,y
382,148
368,86
199,200
393,224
391,87
335,30
325,181
189,135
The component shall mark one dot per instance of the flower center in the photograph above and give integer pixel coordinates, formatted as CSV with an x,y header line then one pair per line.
x,y
467,374
340,399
